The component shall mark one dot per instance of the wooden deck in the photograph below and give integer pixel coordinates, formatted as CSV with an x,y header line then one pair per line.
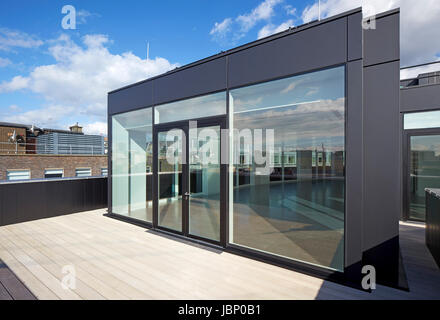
x,y
116,260
11,288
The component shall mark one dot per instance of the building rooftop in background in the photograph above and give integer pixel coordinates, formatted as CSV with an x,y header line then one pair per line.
x,y
16,125
423,77
29,152
17,138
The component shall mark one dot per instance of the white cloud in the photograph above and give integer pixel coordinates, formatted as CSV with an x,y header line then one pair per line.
x,y
83,15
78,82
44,117
17,83
264,11
222,27
238,27
419,27
17,39
269,29
98,127
220,30
14,108
291,86
4,62
290,10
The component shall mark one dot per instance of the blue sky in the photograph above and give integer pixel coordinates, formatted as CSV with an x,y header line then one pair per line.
x,y
54,77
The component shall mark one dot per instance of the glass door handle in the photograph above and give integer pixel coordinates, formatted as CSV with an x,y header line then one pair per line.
x,y
187,194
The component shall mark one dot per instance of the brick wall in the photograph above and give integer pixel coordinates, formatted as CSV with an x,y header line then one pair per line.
x,y
38,163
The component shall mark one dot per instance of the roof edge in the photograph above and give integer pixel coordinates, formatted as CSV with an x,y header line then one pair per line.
x,y
251,44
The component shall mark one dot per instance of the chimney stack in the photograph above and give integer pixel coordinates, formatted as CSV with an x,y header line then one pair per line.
x,y
76,128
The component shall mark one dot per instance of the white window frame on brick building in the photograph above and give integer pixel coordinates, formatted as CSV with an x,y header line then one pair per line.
x,y
18,174
83,172
54,173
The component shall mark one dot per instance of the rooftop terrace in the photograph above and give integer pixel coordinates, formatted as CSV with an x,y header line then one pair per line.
x,y
116,260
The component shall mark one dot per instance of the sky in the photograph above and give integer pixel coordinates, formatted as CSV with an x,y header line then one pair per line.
x,y
54,77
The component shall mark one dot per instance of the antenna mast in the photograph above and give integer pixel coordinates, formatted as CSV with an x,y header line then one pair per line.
x,y
319,10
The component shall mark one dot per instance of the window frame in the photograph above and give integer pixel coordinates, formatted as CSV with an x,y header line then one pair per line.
x,y
85,168
18,170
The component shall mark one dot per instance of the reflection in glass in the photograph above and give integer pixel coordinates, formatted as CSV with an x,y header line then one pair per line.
x,y
422,120
200,107
424,172
295,209
170,159
204,172
132,155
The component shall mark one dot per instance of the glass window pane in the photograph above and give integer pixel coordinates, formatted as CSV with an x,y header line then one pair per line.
x,y
295,206
83,172
170,159
205,106
204,180
53,173
422,120
132,162
18,175
424,172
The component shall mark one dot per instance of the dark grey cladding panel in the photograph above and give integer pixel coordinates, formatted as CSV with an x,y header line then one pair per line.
x,y
354,165
130,98
199,79
355,36
313,48
381,154
420,98
382,44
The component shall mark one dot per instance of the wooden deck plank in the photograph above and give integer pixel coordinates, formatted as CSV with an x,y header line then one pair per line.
x,y
102,272
52,282
84,271
35,285
116,260
51,265
14,287
4,294
136,248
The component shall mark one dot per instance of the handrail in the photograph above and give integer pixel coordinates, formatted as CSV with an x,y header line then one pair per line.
x,y
50,148
50,179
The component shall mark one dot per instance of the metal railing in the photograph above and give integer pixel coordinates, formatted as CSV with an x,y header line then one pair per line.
x,y
17,148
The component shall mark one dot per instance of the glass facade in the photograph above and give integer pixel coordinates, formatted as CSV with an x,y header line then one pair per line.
x,y
204,181
200,107
170,160
422,120
132,163
424,172
287,168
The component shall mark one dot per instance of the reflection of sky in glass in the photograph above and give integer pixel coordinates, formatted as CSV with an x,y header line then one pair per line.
x,y
426,143
316,86
205,106
306,112
135,119
422,120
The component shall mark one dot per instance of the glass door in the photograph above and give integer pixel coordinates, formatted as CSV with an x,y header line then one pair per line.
x,y
204,182
171,178
423,170
190,180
